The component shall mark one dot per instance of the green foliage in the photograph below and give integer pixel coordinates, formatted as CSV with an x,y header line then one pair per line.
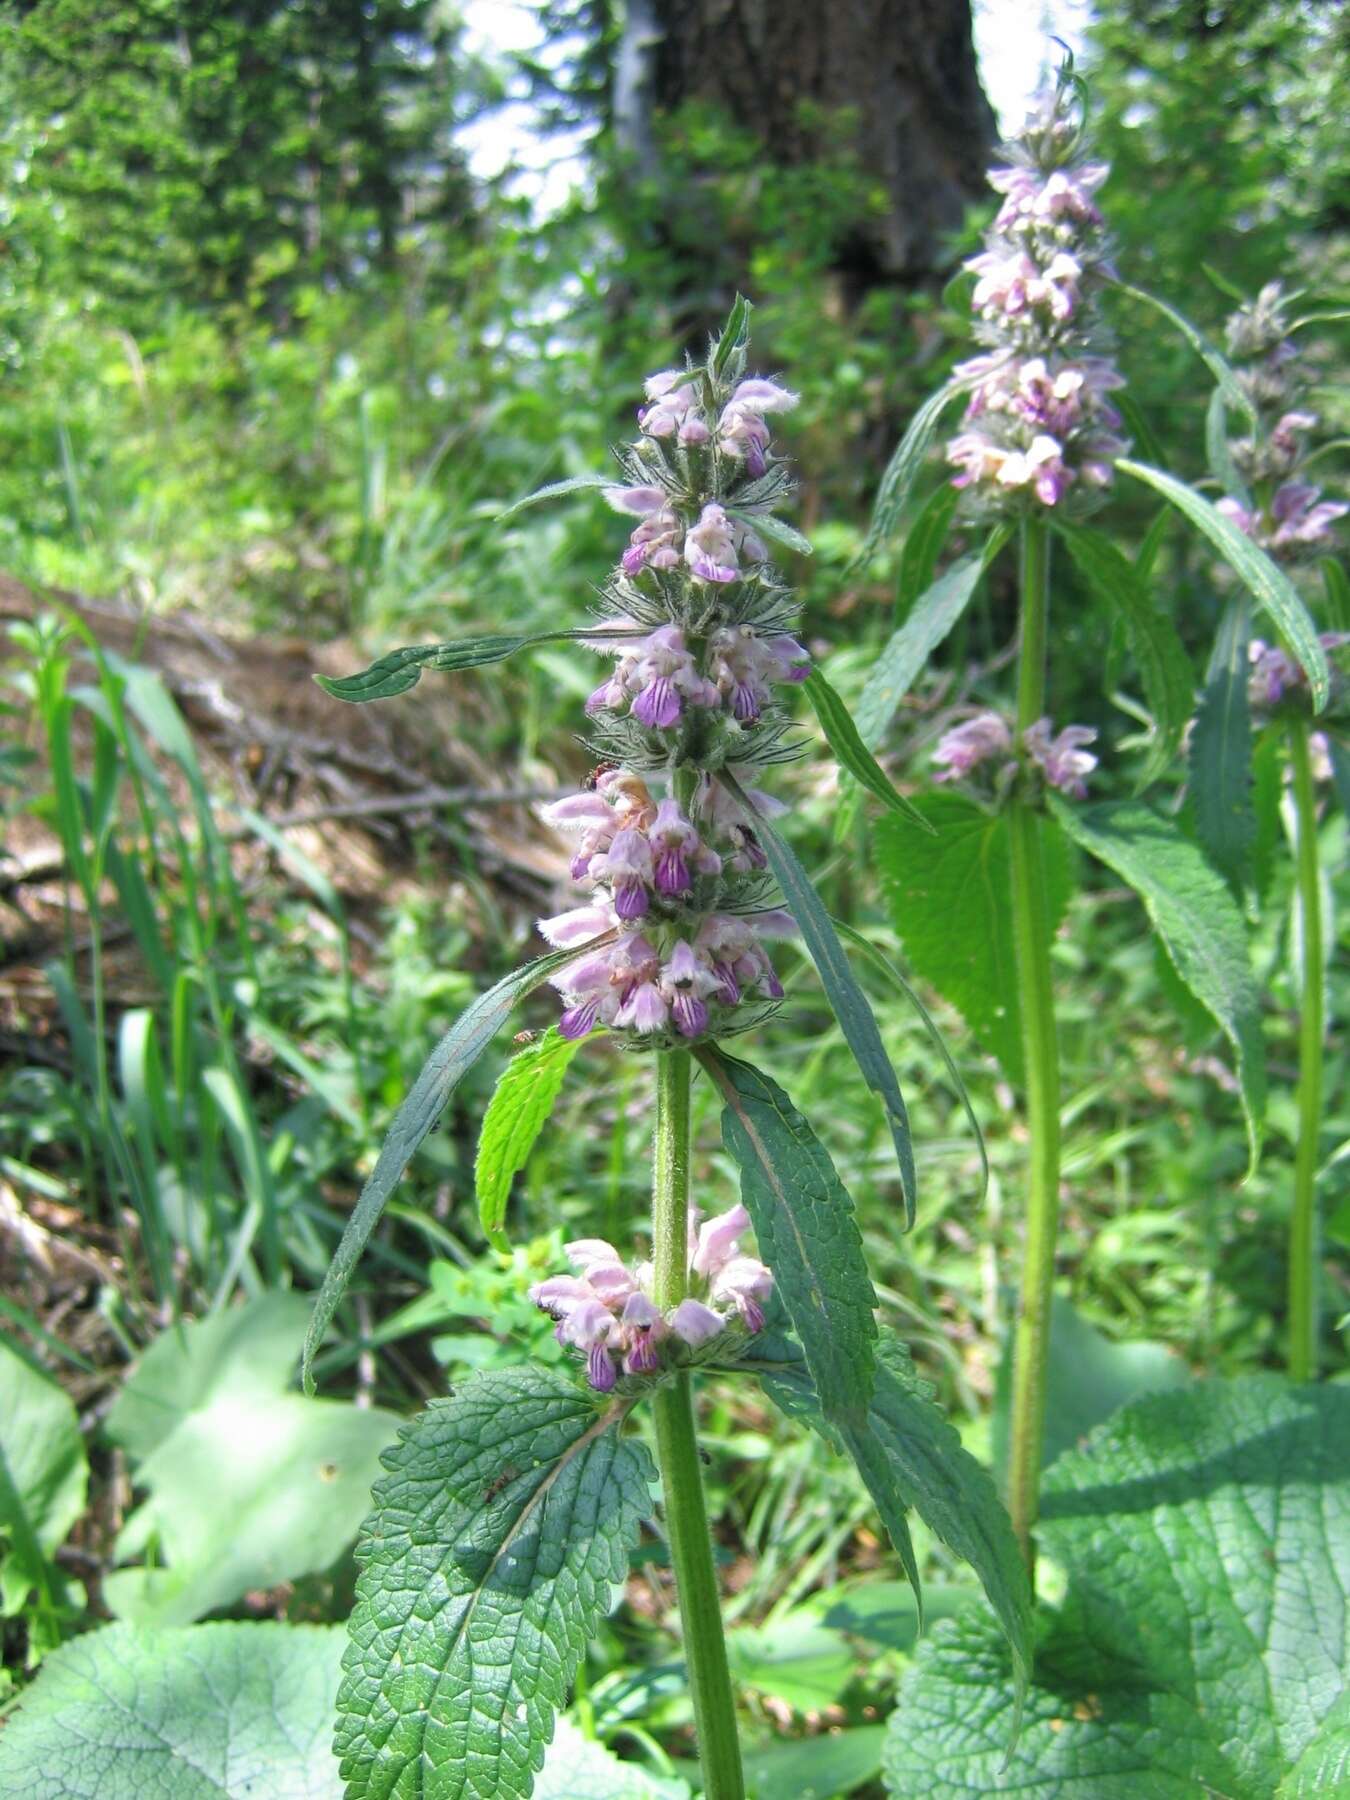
x,y
905,466
1197,919
850,752
1221,754
246,1485
521,1102
576,1768
506,1515
43,1479
214,1712
1190,1524
400,670
949,904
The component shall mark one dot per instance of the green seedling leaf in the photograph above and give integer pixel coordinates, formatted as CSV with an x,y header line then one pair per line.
x,y
903,469
403,669
930,619
1204,1643
807,1233
1268,585
1221,754
448,1063
1164,667
555,491
517,1112
43,1479
950,903
217,1712
506,1515
852,755
847,999
1234,394
1197,919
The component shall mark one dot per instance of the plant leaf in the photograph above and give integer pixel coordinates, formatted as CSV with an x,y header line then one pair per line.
x,y
452,1058
1234,394
555,490
578,1768
733,338
1204,1643
1267,584
841,989
506,1515
777,530
1339,757
1221,753
43,1478
1219,452
229,1711
807,1233
930,619
951,905
903,469
841,734
517,1112
1198,921
922,549
1164,667
403,669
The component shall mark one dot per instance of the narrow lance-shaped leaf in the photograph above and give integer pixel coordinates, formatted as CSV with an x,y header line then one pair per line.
x,y
507,1515
930,619
733,337
1235,395
778,531
807,1233
452,1058
403,669
922,549
1266,583
517,1112
555,490
1196,918
903,469
841,989
1221,753
1164,667
1219,451
850,752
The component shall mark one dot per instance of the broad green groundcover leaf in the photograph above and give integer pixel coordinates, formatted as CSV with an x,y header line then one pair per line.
x,y
950,900
517,1112
507,1514
216,1712
247,1485
1198,920
1204,1643
43,1477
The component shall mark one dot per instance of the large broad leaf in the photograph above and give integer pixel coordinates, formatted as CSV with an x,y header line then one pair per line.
x,y
909,1455
448,1063
1164,667
1197,919
517,1112
577,1768
247,1485
951,903
43,1477
850,752
1269,586
1221,754
841,989
1204,1643
216,1712
816,1768
807,1233
903,469
403,669
506,1515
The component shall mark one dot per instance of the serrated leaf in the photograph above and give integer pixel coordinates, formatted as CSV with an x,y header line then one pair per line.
x,y
507,1514
846,998
1205,1638
903,469
1221,753
577,1768
1323,1770
403,669
1267,583
555,490
909,1455
1198,920
1164,667
521,1102
228,1711
806,1230
452,1058
1234,394
852,755
930,619
43,1478
951,905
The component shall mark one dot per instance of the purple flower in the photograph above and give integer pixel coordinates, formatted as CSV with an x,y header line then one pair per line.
x,y
686,980
718,1238
673,842
1063,760
966,746
709,548
627,867
745,1283
674,404
696,1323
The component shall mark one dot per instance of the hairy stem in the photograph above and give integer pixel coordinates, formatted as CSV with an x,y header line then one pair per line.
x,y
1303,1232
677,1449
1031,1343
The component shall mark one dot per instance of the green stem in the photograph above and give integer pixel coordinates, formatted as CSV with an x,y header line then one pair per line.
x,y
1303,1233
1031,940
677,1449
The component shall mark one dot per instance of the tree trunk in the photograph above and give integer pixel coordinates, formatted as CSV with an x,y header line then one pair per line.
x,y
917,118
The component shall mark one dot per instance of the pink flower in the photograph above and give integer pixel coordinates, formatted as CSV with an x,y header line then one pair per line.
x,y
1063,760
641,1330
674,404
696,1323
578,926
674,842
709,548
627,867
686,980
745,1283
966,746
741,431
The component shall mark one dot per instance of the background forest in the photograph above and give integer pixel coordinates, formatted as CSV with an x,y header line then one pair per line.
x,y
277,356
